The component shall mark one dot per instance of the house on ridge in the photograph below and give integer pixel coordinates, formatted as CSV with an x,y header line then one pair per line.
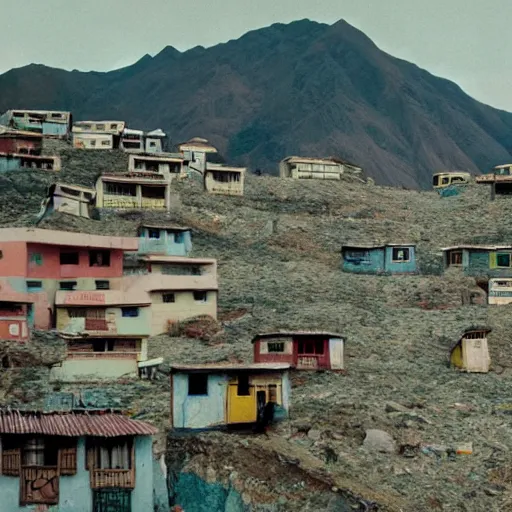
x,y
379,258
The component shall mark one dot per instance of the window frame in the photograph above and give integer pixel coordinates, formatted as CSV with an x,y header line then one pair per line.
x,y
451,260
204,300
501,254
105,254
201,388
405,260
272,345
64,254
168,295
126,309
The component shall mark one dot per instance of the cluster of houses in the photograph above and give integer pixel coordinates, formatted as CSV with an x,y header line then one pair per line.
x,y
107,297
499,180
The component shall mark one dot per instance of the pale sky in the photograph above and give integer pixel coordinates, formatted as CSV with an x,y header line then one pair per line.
x,y
467,41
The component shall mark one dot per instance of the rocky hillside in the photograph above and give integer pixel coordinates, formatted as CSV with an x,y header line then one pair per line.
x,y
303,88
400,331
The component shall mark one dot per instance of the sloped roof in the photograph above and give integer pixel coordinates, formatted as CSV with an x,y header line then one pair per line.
x,y
66,238
5,130
478,247
72,424
170,227
156,133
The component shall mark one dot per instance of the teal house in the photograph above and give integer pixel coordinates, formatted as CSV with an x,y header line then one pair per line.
x,y
76,461
480,260
379,259
164,239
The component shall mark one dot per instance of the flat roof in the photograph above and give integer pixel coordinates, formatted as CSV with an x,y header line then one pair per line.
x,y
478,247
67,238
5,130
73,187
503,166
136,177
316,160
230,367
161,157
465,173
287,334
223,168
374,246
170,227
178,259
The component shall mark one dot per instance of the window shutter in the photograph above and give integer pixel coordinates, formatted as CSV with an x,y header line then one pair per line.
x,y
67,457
11,460
493,263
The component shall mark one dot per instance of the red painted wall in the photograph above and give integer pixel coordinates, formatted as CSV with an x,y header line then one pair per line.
x,y
44,263
4,329
324,361
19,145
13,261
271,358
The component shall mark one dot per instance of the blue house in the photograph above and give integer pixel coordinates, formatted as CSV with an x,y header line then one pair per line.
x,y
75,461
379,259
164,239
480,260
210,396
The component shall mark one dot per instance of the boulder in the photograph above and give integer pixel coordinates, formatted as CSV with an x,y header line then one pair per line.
x,y
379,441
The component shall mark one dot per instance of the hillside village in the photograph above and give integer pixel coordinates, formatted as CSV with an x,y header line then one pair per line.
x,y
181,334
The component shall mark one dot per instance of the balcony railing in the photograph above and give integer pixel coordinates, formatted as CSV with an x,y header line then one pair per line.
x,y
309,361
122,478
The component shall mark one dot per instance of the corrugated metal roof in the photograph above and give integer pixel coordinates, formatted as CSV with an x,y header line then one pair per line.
x,y
230,367
296,333
98,424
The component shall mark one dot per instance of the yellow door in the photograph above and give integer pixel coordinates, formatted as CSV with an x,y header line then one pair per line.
x,y
241,409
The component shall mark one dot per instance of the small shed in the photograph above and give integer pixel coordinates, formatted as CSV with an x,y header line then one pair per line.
x,y
379,258
218,395
471,353
304,350
166,239
479,260
500,291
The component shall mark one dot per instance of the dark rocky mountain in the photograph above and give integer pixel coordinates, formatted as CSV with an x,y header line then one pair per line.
x,y
303,88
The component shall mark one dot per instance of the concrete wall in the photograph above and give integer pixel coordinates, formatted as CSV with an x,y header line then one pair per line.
x,y
95,368
142,495
231,188
105,200
199,411
14,259
184,307
44,262
93,141
129,326
169,243
75,494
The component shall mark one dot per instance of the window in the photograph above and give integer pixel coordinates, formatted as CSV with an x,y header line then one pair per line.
x,y
99,258
400,254
113,126
102,285
154,234
40,452
456,258
445,181
100,127
130,312
105,143
69,258
120,189
243,387
458,179
198,384
436,181
153,192
70,191
168,297
311,347
77,312
34,284
67,285
152,144
56,116
113,454
179,238
92,143
200,296
357,256
276,347
36,258
503,259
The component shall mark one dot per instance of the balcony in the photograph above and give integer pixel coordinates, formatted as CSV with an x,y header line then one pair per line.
x,y
120,478
309,362
39,485
103,355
